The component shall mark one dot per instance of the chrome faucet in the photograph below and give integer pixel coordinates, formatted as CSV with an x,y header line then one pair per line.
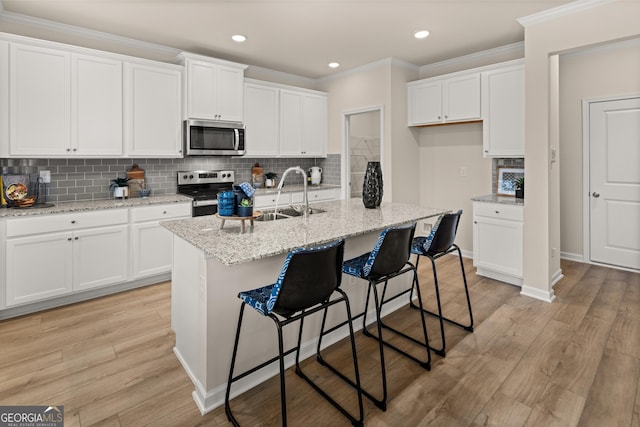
x,y
299,170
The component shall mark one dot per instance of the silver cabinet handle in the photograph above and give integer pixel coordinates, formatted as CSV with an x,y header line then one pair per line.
x,y
596,194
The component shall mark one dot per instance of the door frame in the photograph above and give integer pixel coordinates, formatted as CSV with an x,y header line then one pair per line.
x,y
586,175
346,167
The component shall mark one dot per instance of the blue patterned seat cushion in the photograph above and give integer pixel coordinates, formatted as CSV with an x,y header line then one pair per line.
x,y
355,266
258,298
421,244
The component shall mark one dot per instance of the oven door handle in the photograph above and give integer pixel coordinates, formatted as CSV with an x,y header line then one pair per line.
x,y
198,203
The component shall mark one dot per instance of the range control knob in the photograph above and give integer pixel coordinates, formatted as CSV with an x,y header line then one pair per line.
x,y
190,176
184,176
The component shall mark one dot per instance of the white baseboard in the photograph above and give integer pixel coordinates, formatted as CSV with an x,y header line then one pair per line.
x,y
546,296
572,257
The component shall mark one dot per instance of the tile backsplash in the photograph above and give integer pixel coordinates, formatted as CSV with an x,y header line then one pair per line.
x,y
88,179
515,162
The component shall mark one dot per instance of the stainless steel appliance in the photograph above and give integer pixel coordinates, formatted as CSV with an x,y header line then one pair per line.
x,y
203,187
213,138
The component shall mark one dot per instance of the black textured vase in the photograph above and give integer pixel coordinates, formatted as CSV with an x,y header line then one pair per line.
x,y
372,186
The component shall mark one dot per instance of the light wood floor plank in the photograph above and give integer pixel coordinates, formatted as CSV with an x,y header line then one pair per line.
x,y
576,361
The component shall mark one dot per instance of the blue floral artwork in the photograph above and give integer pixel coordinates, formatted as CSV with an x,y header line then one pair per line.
x,y
506,182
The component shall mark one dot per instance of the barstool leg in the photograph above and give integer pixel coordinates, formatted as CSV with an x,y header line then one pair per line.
x,y
227,406
283,393
468,327
382,404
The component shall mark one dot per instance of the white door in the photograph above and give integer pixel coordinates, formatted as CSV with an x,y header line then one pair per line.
x,y
614,187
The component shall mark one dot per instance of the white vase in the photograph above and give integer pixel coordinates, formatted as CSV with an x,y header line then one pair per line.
x,y
121,192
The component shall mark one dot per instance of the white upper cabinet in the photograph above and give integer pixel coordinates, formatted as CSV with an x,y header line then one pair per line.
x,y
214,88
64,104
503,111
444,100
261,118
4,100
96,106
154,125
283,121
40,101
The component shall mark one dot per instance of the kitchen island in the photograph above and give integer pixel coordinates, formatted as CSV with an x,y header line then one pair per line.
x,y
212,264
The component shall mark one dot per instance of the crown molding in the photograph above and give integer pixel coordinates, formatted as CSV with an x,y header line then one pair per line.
x,y
369,66
281,75
556,12
486,55
624,44
29,21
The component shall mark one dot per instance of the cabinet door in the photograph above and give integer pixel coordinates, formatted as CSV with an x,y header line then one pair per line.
x,y
38,267
152,249
40,100
425,103
201,86
96,106
503,112
100,257
497,245
155,120
4,100
290,122
229,93
261,113
462,98
314,125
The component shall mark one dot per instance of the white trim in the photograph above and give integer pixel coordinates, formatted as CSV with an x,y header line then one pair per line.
x,y
281,75
369,66
572,257
557,276
17,18
556,12
624,44
546,296
517,48
345,160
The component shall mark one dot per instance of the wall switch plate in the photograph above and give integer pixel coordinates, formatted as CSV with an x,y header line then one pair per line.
x,y
463,171
46,176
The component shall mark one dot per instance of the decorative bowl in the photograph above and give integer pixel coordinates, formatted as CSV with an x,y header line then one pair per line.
x,y
144,192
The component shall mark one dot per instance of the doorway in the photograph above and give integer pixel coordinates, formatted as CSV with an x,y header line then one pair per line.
x,y
363,144
612,178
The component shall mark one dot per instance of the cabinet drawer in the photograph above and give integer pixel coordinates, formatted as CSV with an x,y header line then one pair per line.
x,y
315,196
267,200
160,212
499,211
65,222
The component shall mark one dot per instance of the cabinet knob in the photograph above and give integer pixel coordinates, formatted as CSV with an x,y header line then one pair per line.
x,y
75,238
75,149
596,194
68,149
69,239
486,151
439,117
497,212
73,221
164,212
446,116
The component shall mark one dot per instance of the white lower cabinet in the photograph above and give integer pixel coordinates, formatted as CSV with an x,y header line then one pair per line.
x,y
296,197
55,255
150,242
498,234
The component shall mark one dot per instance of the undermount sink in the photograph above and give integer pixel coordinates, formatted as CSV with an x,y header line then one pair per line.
x,y
270,215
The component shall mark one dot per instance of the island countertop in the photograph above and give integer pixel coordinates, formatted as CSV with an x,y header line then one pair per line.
x,y
342,219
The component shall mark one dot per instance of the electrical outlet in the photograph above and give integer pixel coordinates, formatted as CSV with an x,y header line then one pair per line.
x,y
426,227
463,171
46,176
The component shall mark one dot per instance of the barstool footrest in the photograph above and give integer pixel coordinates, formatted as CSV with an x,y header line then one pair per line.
x,y
468,328
426,365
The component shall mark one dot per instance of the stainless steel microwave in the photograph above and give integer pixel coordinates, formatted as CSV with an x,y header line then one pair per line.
x,y
213,138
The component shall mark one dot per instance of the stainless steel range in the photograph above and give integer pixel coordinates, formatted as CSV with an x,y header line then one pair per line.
x,y
203,187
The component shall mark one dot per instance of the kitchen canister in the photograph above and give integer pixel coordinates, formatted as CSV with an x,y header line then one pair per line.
x,y
226,203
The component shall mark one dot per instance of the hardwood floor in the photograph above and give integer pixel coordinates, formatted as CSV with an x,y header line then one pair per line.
x,y
575,362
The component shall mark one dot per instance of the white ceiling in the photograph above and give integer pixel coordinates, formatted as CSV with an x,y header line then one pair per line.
x,y
300,36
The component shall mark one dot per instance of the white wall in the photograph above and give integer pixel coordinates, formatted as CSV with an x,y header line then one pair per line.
x,y
600,72
443,151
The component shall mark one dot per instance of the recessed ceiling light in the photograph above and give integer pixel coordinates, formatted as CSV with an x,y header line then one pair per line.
x,y
422,34
238,38
334,64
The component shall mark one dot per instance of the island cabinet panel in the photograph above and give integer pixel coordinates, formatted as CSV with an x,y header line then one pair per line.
x,y
151,244
498,238
444,100
214,88
154,113
61,254
503,111
316,195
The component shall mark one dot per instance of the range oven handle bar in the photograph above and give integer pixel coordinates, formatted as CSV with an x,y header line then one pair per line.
x,y
198,203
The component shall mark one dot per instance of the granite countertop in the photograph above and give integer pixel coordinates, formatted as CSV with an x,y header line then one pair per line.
x,y
90,205
292,188
505,200
343,218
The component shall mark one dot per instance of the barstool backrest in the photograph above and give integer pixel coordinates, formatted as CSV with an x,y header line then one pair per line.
x,y
444,233
392,251
308,277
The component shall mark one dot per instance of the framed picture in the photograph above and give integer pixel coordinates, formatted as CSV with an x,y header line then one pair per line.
x,y
506,180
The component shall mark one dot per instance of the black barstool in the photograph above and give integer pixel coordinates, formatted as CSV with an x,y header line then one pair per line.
x,y
438,243
308,280
388,259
